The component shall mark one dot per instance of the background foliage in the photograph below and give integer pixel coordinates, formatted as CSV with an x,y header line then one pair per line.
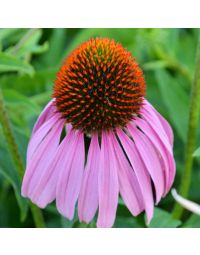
x,y
29,60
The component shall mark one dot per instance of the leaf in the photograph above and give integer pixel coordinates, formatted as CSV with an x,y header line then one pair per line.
x,y
163,219
56,42
153,65
30,85
78,224
28,44
124,219
176,101
11,35
128,222
196,153
13,97
192,222
68,223
6,32
21,109
60,220
7,169
9,63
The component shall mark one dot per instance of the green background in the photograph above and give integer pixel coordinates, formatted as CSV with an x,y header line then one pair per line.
x,y
29,60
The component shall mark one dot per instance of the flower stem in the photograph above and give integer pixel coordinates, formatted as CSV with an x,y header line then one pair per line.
x,y
13,149
191,136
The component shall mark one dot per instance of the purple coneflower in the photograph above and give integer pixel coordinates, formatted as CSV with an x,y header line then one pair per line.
x,y
98,138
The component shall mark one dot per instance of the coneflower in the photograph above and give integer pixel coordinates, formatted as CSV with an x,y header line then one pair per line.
x,y
99,138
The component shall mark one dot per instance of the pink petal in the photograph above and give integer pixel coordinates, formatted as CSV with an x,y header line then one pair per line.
x,y
128,184
154,122
108,183
45,190
46,114
88,198
41,159
70,178
150,159
140,172
160,147
173,171
39,135
167,128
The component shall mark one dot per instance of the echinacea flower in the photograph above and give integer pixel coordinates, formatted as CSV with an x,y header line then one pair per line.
x,y
99,138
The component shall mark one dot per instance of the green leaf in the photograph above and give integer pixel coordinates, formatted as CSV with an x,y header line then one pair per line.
x,y
28,44
192,222
21,109
42,81
12,97
7,169
153,65
197,153
6,32
57,43
163,219
69,223
9,63
124,219
10,36
128,222
176,101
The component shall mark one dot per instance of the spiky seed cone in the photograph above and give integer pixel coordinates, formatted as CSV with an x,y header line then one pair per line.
x,y
99,86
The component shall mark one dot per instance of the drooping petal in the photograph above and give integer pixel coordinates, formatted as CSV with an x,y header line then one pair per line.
x,y
150,160
46,114
160,147
41,159
88,198
45,190
154,122
165,125
69,146
39,136
140,172
108,183
70,177
128,184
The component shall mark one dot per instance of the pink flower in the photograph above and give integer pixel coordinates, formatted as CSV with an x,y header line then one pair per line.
x,y
99,99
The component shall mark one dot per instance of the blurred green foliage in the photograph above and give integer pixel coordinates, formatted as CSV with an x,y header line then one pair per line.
x,y
29,60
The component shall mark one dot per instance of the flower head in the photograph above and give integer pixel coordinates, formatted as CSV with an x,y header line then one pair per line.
x,y
99,87
99,97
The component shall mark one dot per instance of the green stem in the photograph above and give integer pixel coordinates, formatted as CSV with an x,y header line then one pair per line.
x,y
13,149
191,136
